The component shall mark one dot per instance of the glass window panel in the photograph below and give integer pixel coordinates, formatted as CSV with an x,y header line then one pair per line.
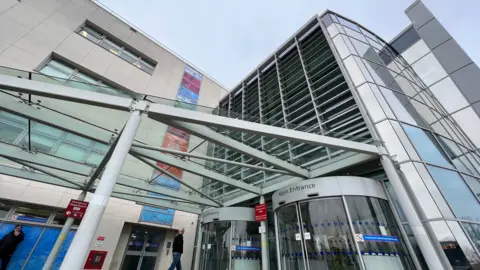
x,y
429,69
349,44
406,86
71,152
130,262
456,256
392,141
83,77
354,70
39,142
434,191
327,20
364,70
61,66
291,251
26,213
341,46
382,75
9,133
382,101
425,112
470,123
415,52
145,66
406,40
101,147
473,230
4,209
88,34
14,119
129,57
474,184
463,242
47,130
95,158
355,34
47,70
401,107
462,201
448,94
79,84
330,236
426,146
405,141
78,140
418,187
371,103
371,216
348,24
332,30
111,46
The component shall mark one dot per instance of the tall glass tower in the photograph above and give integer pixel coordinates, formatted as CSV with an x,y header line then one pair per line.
x,y
413,97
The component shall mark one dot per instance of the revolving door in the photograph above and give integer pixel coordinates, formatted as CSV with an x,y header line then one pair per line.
x,y
230,239
337,223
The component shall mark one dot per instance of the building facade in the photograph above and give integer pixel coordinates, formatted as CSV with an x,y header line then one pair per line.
x,y
84,45
417,96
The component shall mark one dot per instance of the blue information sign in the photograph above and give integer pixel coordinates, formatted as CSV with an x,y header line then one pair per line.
x,y
242,248
380,238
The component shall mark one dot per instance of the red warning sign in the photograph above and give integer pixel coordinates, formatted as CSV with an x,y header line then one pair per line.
x,y
261,212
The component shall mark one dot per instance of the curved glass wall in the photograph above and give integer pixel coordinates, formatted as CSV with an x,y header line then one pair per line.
x,y
435,156
231,245
351,232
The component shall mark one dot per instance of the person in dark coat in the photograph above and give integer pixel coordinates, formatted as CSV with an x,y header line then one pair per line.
x,y
9,243
177,250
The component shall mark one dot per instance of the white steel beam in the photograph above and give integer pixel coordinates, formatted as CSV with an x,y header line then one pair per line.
x,y
123,181
14,152
158,202
193,168
53,119
64,93
192,155
35,176
144,195
210,135
174,177
161,113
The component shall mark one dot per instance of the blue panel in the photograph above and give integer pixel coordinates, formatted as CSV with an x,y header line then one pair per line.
x,y
165,181
43,248
63,250
23,250
156,217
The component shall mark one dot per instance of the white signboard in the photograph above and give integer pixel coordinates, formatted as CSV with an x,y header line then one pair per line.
x,y
307,236
298,236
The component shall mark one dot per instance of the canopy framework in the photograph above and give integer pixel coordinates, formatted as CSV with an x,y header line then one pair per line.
x,y
49,111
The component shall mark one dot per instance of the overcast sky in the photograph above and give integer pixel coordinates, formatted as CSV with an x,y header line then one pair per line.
x,y
228,38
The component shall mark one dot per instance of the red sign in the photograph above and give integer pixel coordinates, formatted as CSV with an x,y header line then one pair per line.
x,y
76,209
261,212
95,259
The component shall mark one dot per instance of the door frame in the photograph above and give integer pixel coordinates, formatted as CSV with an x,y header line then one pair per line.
x,y
142,253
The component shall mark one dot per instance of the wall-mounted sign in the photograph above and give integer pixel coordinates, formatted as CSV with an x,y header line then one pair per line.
x,y
261,212
100,241
376,238
243,248
76,209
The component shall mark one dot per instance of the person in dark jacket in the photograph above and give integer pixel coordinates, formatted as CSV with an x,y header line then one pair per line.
x,y
9,243
177,250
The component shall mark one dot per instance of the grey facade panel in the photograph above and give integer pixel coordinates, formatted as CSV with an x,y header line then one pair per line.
x,y
468,81
476,107
433,33
419,14
451,56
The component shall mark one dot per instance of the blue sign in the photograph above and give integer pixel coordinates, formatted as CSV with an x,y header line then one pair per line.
x,y
380,238
242,248
32,219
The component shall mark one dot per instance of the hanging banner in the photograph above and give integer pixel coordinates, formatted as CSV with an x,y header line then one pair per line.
x,y
175,139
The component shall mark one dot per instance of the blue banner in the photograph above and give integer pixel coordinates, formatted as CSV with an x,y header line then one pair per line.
x,y
380,238
242,248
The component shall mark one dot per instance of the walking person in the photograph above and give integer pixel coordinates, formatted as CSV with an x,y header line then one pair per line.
x,y
177,251
9,243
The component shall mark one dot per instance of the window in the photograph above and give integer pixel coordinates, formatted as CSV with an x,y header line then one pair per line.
x,y
407,39
117,49
75,78
49,140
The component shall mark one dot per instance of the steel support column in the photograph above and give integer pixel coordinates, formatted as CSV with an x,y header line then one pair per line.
x,y
61,238
198,251
78,250
264,240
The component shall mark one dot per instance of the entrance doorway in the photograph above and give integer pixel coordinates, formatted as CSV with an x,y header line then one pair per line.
x,y
143,249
